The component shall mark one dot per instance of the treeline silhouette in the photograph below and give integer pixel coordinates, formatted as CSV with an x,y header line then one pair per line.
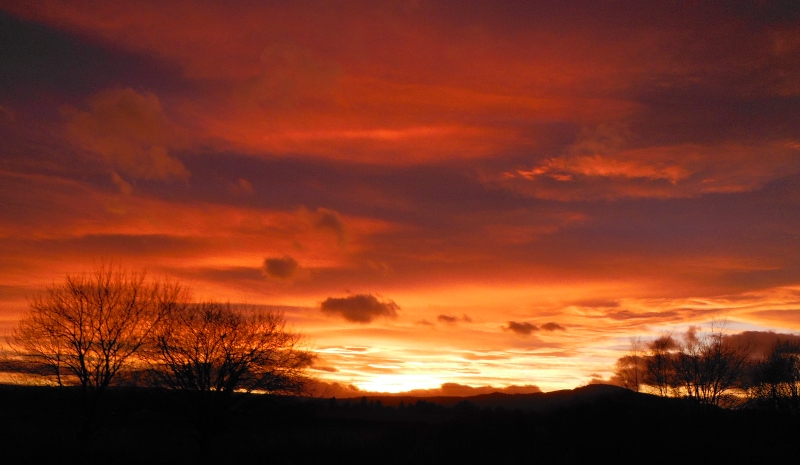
x,y
753,370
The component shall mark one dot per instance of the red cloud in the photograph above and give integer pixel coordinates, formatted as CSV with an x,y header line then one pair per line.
x,y
129,131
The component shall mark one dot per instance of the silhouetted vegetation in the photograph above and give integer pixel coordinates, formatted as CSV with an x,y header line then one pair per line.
x,y
594,424
774,381
715,369
114,327
208,351
86,331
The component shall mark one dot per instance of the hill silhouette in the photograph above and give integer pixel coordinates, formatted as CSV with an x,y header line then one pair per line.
x,y
596,423
535,402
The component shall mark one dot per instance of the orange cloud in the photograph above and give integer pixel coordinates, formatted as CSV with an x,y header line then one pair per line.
x,y
296,87
413,84
130,132
596,165
656,172
70,222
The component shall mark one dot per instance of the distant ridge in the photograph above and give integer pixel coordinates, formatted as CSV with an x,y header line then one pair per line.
x,y
536,402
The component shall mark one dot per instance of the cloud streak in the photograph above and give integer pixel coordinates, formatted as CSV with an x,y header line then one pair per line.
x,y
678,171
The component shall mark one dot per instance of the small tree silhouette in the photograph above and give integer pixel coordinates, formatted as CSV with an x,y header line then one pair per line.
x,y
775,380
660,366
210,350
704,368
631,368
707,368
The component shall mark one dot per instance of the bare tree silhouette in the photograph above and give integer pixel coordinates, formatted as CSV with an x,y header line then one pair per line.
x,y
660,369
86,331
211,350
707,369
704,368
775,380
631,368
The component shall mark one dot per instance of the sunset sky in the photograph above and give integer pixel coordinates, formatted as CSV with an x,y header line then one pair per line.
x,y
475,193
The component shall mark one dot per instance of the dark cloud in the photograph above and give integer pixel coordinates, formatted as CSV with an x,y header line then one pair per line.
x,y
462,390
552,327
759,343
317,388
334,389
690,336
666,342
42,60
522,389
330,220
524,329
281,268
452,320
598,379
361,308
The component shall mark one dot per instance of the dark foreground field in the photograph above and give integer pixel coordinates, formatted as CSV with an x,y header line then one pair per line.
x,y
595,424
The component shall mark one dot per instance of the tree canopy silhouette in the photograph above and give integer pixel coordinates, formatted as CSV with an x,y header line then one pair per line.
x,y
210,350
706,368
775,380
85,331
